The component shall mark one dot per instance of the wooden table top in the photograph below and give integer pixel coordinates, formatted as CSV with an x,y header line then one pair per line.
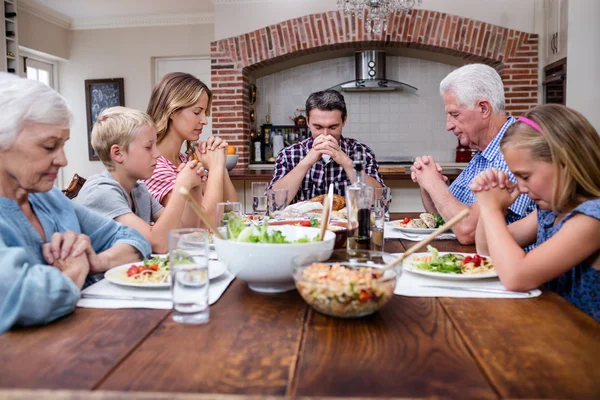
x,y
275,345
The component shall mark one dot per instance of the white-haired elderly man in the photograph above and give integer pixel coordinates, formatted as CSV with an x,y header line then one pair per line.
x,y
474,103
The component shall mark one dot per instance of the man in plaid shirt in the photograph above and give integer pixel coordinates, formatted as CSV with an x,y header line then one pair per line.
x,y
474,103
307,168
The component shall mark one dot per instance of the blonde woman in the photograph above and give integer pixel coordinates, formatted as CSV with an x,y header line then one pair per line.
x,y
179,105
554,152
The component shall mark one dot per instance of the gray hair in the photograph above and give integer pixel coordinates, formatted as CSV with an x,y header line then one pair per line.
x,y
473,82
326,100
25,101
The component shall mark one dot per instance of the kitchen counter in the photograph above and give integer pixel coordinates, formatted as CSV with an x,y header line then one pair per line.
x,y
267,174
406,195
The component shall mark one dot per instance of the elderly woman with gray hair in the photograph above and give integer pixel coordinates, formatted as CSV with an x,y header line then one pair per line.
x,y
48,245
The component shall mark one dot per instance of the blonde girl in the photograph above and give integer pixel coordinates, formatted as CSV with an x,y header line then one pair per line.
x,y
554,153
179,105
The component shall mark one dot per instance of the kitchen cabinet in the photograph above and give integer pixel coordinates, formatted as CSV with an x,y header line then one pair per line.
x,y
9,45
556,30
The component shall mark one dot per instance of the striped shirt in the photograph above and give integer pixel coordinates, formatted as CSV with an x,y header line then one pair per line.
x,y
163,178
490,157
322,173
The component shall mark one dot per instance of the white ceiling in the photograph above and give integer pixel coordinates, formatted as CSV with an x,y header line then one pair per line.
x,y
86,10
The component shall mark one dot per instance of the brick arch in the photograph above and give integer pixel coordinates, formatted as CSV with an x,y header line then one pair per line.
x,y
513,53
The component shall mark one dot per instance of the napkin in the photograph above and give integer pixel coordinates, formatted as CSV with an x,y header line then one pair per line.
x,y
411,284
216,288
391,233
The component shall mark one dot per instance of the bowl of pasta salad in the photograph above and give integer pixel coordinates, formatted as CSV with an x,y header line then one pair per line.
x,y
346,286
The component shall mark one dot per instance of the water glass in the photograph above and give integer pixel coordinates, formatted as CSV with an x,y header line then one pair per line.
x,y
259,198
225,209
188,259
277,201
381,200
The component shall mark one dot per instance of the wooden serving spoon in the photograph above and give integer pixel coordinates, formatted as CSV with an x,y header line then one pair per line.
x,y
198,210
325,217
429,238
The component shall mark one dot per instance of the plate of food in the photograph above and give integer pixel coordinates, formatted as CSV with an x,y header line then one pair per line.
x,y
153,273
456,266
426,223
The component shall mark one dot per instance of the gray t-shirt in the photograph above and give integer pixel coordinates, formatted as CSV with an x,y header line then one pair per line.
x,y
104,195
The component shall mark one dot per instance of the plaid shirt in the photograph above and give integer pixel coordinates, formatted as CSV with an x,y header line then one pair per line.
x,y
491,157
317,179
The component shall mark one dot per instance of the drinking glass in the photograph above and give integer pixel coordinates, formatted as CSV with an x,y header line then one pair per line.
x,y
259,198
276,201
381,200
225,209
188,259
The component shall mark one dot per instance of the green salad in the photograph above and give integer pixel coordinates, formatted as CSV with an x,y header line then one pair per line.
x,y
238,231
162,262
448,263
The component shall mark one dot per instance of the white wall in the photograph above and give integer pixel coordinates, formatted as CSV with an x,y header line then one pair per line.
x,y
38,34
392,124
583,59
119,53
233,18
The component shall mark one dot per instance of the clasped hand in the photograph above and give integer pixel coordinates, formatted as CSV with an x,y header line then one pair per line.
x,y
73,254
212,152
326,144
494,190
425,171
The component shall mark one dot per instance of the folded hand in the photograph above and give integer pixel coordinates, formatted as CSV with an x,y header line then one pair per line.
x,y
425,170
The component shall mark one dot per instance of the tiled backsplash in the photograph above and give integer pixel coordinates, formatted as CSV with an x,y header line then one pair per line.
x,y
398,123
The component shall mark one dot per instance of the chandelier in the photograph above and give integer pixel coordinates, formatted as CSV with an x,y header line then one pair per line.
x,y
378,11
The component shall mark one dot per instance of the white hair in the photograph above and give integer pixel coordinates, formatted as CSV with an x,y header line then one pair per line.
x,y
25,101
474,82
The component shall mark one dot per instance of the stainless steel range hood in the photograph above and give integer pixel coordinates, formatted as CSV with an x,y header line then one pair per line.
x,y
370,75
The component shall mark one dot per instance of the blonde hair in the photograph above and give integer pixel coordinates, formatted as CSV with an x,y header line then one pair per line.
x,y
570,143
175,91
25,101
117,125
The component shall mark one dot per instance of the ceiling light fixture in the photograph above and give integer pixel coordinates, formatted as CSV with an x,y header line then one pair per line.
x,y
378,11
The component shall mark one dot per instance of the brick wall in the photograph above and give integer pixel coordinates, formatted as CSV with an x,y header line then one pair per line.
x,y
513,53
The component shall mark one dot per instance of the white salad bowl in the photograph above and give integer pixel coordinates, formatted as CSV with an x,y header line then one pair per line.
x,y
267,267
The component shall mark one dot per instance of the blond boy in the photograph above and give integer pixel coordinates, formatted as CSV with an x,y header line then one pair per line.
x,y
125,141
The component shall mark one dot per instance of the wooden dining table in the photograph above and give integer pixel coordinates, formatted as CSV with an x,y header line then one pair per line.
x,y
276,345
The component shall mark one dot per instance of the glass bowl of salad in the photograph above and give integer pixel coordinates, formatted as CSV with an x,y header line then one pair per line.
x,y
262,255
346,286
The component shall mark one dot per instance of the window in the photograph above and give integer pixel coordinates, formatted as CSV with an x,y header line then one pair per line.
x,y
40,71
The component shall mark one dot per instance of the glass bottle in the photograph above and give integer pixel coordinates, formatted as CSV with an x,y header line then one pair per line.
x,y
358,202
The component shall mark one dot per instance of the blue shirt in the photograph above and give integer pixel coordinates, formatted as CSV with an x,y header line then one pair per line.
x,y
32,292
490,157
581,285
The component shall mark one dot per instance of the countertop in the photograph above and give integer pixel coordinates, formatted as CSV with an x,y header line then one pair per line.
x,y
267,174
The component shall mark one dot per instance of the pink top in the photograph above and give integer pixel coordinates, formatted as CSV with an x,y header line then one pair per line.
x,y
163,178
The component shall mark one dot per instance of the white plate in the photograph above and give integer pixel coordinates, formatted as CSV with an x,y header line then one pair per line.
x,y
414,231
114,275
408,266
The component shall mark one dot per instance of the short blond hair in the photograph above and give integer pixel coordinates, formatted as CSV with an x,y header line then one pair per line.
x,y
117,125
